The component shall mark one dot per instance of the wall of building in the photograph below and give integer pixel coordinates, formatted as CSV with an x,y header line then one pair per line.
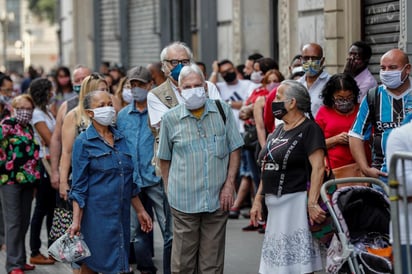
x,y
144,32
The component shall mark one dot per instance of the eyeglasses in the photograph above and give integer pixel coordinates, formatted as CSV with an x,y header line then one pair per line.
x,y
307,58
175,62
346,99
27,109
94,76
7,90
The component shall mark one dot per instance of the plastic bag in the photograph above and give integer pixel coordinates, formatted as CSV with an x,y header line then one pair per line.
x,y
335,258
68,250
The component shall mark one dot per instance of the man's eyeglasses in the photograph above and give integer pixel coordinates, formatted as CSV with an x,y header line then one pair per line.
x,y
175,62
7,90
307,58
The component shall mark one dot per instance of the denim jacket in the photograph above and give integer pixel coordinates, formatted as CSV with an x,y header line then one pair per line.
x,y
103,187
134,125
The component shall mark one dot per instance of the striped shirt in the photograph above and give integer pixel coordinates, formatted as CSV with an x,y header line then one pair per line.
x,y
199,152
389,111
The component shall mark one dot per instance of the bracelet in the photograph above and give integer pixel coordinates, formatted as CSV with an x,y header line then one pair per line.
x,y
312,206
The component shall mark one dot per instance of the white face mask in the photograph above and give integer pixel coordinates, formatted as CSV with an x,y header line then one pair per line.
x,y
194,98
256,76
104,115
392,78
127,95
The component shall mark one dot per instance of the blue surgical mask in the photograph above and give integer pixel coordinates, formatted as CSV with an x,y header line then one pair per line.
x,y
176,71
139,94
76,88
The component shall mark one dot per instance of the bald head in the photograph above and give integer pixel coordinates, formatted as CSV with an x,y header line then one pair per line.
x,y
79,74
396,56
312,49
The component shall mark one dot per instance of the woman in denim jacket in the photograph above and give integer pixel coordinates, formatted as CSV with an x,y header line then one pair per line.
x,y
102,190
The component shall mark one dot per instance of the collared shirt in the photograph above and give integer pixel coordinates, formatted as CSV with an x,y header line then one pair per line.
x,y
133,124
199,152
315,90
103,186
365,81
389,112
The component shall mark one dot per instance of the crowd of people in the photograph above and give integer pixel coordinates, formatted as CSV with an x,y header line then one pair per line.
x,y
164,140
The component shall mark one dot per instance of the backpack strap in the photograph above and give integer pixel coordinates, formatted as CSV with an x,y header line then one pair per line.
x,y
371,99
222,113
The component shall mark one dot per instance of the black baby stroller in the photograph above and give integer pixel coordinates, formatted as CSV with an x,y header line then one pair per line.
x,y
361,216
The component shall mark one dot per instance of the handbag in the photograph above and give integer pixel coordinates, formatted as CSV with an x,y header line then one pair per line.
x,y
350,170
46,162
324,231
62,219
250,137
69,250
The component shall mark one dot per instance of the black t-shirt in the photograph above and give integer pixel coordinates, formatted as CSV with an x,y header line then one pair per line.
x,y
285,158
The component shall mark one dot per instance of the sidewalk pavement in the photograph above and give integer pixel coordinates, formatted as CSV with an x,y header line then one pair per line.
x,y
242,252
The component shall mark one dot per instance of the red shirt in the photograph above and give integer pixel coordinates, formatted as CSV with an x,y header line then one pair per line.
x,y
256,93
333,123
268,118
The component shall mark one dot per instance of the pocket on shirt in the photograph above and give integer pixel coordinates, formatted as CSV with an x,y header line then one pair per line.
x,y
219,146
126,158
102,162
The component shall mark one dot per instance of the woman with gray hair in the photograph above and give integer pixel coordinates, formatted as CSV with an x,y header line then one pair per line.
x,y
292,157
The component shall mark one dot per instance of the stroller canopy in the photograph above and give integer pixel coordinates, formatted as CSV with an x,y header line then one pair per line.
x,y
364,209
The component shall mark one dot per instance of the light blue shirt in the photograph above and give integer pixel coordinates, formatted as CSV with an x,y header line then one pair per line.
x,y
133,124
199,152
315,90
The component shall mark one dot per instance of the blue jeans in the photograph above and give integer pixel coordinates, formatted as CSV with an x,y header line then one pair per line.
x,y
141,240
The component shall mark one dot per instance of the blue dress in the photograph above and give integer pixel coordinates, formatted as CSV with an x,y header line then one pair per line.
x,y
103,186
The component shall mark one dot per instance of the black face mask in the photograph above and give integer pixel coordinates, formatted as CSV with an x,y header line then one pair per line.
x,y
279,110
229,77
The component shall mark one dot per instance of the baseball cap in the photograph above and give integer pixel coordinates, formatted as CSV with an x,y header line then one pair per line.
x,y
139,73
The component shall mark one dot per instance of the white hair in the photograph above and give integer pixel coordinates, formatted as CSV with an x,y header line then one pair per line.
x,y
189,69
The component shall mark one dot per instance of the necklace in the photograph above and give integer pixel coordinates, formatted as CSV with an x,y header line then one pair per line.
x,y
108,140
295,124
395,103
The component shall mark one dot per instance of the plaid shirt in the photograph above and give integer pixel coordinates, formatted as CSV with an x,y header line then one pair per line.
x,y
199,152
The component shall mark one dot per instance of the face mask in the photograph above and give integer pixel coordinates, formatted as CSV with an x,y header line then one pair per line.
x,y
139,94
64,81
127,95
311,68
297,70
344,106
176,71
104,115
76,88
229,77
23,116
279,110
272,85
5,99
392,78
194,98
256,77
